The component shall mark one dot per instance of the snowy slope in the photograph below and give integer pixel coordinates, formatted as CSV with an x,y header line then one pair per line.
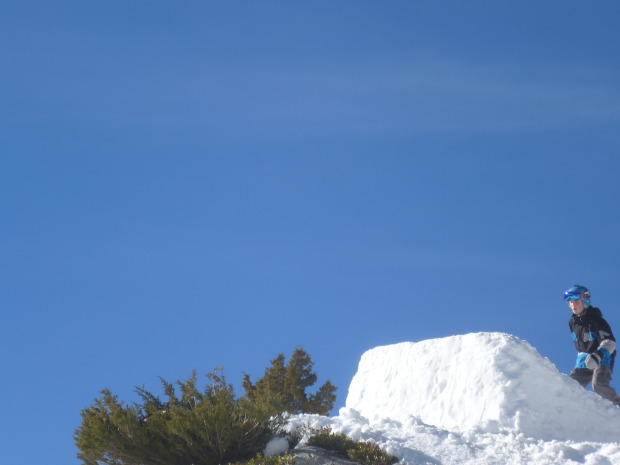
x,y
477,399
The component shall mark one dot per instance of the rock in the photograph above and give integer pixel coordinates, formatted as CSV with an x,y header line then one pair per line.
x,y
310,455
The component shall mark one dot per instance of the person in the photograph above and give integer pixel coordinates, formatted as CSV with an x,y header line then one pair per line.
x,y
595,344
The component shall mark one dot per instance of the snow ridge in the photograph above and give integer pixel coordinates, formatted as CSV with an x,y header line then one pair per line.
x,y
488,382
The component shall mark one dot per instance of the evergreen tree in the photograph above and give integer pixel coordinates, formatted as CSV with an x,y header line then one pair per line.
x,y
283,387
269,391
322,402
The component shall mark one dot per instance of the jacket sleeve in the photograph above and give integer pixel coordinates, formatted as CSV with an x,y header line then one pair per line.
x,y
603,331
606,346
606,337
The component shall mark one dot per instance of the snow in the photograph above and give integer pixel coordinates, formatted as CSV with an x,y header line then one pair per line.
x,y
276,446
482,398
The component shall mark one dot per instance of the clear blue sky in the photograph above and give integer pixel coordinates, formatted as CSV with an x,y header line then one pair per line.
x,y
193,184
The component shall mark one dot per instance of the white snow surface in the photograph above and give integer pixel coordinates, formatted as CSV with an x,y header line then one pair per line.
x,y
482,398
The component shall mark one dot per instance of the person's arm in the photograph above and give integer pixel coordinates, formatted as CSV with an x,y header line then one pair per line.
x,y
606,348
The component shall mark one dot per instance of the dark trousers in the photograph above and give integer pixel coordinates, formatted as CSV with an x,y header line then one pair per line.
x,y
600,378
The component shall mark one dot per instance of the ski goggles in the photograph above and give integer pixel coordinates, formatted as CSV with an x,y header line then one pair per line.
x,y
572,296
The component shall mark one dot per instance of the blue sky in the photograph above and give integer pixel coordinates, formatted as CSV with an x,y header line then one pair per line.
x,y
194,184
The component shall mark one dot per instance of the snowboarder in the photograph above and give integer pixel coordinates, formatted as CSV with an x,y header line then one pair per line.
x,y
595,344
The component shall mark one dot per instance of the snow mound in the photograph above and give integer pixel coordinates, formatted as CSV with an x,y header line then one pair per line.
x,y
485,382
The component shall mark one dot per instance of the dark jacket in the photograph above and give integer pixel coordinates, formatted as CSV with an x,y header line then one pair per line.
x,y
589,330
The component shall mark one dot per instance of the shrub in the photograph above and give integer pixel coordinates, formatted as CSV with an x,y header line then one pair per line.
x,y
206,427
285,459
364,452
201,427
369,453
325,439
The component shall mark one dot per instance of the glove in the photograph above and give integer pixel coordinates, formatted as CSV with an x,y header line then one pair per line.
x,y
593,360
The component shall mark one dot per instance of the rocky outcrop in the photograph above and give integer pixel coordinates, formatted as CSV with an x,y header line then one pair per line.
x,y
310,455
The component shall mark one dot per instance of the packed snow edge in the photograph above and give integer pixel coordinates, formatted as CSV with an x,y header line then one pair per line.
x,y
486,382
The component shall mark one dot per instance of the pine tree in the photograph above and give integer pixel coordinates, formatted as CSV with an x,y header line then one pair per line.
x,y
269,391
322,402
283,387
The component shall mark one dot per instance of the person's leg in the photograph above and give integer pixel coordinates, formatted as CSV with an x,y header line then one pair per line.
x,y
582,375
600,385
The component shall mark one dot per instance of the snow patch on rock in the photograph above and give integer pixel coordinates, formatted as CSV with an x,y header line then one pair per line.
x,y
276,446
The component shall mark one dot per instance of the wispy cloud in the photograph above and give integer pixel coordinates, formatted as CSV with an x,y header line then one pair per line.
x,y
396,97
403,98
432,97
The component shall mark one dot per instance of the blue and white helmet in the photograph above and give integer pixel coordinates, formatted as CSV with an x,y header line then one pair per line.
x,y
577,292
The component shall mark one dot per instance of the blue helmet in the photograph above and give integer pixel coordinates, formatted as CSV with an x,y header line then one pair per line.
x,y
577,292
